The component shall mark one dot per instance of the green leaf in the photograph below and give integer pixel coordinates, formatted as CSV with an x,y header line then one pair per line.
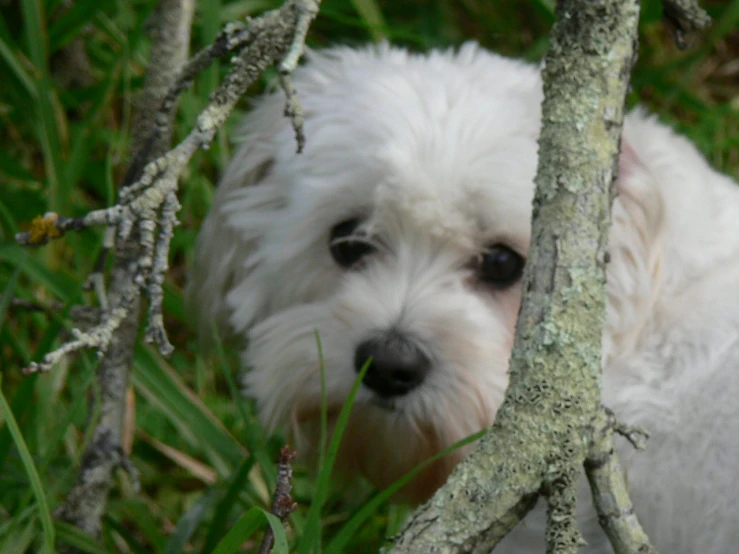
x,y
33,476
220,518
340,540
312,532
162,387
246,526
76,537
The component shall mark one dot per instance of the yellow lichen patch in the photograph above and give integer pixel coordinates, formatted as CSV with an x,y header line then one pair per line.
x,y
43,228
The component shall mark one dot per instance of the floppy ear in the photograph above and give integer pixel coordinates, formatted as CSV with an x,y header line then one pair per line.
x,y
227,250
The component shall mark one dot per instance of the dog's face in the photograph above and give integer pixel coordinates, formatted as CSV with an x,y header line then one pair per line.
x,y
397,239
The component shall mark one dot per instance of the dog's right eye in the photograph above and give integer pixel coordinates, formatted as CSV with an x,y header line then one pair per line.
x,y
347,249
500,266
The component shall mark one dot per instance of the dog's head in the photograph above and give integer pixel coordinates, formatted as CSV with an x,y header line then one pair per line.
x,y
397,238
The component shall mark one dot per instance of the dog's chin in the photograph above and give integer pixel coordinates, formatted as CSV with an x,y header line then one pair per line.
x,y
384,443
385,438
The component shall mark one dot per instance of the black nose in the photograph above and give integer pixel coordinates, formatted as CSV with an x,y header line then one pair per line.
x,y
397,365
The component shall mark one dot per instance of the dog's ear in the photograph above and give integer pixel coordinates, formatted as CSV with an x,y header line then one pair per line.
x,y
227,250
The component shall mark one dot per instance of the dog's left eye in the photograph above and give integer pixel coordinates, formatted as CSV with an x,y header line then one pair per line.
x,y
500,266
346,248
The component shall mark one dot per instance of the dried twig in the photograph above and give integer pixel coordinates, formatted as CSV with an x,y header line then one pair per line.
x,y
30,306
683,17
117,325
139,227
149,204
282,503
610,493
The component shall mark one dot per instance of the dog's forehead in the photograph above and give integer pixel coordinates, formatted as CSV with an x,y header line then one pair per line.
x,y
459,166
446,144
458,187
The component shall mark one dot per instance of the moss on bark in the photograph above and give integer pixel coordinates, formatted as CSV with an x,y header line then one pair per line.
x,y
542,432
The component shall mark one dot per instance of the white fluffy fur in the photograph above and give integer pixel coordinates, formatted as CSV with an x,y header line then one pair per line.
x,y
438,152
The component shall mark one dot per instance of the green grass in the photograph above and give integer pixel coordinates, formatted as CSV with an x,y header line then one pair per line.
x,y
64,145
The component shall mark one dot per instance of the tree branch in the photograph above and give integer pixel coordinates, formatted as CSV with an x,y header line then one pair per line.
x,y
140,226
539,440
610,494
148,203
683,17
115,335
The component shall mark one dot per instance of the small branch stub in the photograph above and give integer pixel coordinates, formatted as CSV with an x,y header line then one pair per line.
x,y
684,17
610,493
282,503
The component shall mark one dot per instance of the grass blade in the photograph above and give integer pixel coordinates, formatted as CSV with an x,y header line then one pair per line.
x,y
62,285
324,403
312,532
132,543
49,131
189,522
33,476
220,518
254,437
7,296
340,540
6,53
161,386
76,537
246,526
21,538
369,11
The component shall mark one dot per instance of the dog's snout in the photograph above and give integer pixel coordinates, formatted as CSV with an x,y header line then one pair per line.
x,y
396,364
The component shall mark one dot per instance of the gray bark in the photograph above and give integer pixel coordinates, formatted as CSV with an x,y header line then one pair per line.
x,y
141,223
542,432
85,503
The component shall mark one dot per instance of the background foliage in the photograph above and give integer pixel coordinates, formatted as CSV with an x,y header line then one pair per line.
x,y
69,72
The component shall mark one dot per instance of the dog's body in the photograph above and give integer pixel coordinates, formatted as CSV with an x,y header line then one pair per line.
x,y
399,236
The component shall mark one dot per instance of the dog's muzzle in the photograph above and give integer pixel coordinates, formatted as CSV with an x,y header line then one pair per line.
x,y
396,364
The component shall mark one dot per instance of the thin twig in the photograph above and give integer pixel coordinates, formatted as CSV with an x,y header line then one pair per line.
x,y
148,204
282,503
610,493
683,17
30,306
85,503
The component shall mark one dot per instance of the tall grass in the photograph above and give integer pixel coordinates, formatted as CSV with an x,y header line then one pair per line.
x,y
69,73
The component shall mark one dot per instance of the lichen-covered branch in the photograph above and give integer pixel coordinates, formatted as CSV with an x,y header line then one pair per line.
x,y
140,226
147,204
539,440
115,334
683,17
610,494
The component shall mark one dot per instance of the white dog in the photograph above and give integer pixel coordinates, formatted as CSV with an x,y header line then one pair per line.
x,y
399,235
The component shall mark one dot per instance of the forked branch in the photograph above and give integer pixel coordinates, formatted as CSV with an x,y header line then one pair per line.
x,y
149,204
